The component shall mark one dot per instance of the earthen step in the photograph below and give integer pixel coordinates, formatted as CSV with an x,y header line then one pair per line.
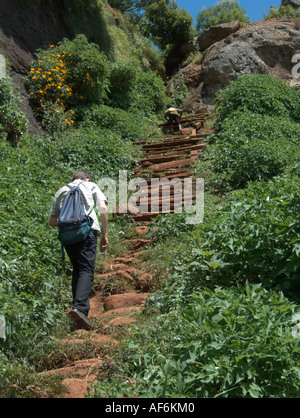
x,y
150,215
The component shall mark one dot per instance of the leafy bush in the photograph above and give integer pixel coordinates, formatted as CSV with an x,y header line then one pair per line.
x,y
256,132
34,291
99,151
125,124
223,12
283,11
169,226
254,237
70,74
251,146
258,93
233,343
134,90
12,119
122,79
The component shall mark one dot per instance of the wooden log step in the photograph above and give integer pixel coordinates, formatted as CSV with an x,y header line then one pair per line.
x,y
172,164
154,154
163,159
180,173
174,143
164,167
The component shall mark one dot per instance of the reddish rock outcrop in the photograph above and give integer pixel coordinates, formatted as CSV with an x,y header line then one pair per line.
x,y
264,47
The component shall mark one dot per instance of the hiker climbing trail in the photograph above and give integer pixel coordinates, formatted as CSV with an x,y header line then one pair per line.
x,y
108,311
170,158
120,291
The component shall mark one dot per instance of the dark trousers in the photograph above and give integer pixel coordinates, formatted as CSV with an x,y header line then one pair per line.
x,y
83,258
174,118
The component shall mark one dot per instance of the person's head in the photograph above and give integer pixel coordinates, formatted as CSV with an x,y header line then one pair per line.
x,y
81,175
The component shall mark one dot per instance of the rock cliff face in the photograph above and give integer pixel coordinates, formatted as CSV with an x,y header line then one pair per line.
x,y
265,47
23,29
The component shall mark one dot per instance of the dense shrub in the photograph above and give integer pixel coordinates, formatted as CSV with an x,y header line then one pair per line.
x,y
65,76
101,152
12,119
134,90
254,237
122,80
251,146
74,74
283,11
125,124
256,132
34,291
258,93
233,343
222,12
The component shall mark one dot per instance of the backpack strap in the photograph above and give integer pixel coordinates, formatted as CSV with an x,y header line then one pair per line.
x,y
63,255
77,187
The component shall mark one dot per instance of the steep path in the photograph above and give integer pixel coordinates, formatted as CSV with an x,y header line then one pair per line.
x,y
172,157
121,289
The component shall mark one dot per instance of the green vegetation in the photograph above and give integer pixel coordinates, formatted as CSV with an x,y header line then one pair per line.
x,y
256,131
223,12
67,76
13,121
283,11
220,323
222,343
166,24
71,80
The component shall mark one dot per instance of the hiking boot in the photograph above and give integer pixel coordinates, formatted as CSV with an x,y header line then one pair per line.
x,y
81,319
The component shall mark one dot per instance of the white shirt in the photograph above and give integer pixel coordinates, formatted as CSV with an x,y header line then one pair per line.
x,y
92,196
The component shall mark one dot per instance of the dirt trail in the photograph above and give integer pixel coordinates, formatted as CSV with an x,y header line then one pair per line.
x,y
115,306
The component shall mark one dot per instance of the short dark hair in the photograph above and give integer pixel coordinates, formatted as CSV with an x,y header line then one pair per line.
x,y
81,174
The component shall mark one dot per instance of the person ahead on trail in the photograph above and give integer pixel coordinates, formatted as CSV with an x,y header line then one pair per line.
x,y
173,114
83,254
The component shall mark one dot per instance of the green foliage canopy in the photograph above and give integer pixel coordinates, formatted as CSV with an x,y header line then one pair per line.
x,y
223,12
134,90
167,24
256,131
283,11
132,5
